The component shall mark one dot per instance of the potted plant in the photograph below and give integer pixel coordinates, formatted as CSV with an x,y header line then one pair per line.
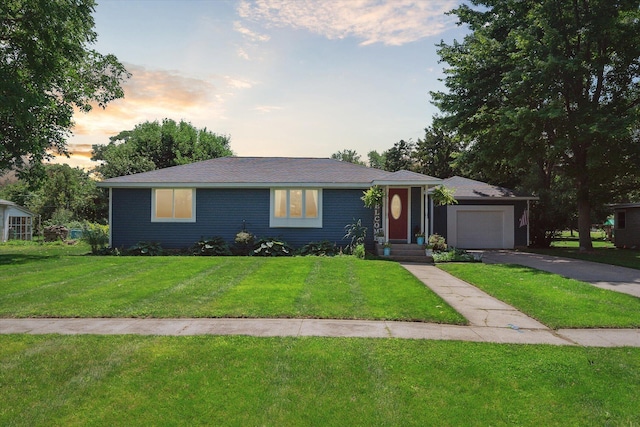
x,y
380,236
443,196
386,249
373,196
428,251
420,238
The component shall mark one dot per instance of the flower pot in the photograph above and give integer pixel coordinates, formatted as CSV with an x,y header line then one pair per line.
x,y
386,251
428,252
380,239
420,240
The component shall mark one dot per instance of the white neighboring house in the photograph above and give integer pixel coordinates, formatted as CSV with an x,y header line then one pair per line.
x,y
16,222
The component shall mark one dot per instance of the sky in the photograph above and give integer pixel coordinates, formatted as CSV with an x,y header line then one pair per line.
x,y
299,78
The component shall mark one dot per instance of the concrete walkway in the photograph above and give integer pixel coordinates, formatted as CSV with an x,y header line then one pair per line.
x,y
490,320
619,279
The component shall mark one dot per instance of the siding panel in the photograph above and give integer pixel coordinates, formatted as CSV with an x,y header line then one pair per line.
x,y
224,212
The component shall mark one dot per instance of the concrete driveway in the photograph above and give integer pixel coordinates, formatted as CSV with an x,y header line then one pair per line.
x,y
619,279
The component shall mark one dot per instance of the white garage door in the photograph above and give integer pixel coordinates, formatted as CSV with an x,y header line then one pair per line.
x,y
480,227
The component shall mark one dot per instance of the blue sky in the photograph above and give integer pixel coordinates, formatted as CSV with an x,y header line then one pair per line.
x,y
281,78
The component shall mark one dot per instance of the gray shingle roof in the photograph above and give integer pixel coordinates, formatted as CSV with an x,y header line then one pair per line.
x,y
263,171
466,188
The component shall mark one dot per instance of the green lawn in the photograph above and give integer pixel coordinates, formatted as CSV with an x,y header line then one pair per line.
x,y
238,381
49,283
603,251
605,255
553,300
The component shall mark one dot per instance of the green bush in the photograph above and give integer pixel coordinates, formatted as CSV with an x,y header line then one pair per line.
x,y
454,255
108,252
244,242
359,251
272,247
437,243
145,249
60,216
323,248
356,232
96,235
215,246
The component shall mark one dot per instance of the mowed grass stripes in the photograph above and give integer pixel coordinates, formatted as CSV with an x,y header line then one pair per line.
x,y
237,381
314,287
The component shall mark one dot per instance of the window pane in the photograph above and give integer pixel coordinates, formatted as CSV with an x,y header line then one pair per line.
x,y
295,204
280,208
396,206
164,203
311,207
183,203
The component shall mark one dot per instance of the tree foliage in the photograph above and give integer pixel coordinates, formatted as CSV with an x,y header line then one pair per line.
x,y
350,156
436,154
46,71
153,145
64,193
376,160
549,90
399,157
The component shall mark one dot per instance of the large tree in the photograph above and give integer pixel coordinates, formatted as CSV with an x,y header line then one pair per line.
x,y
376,160
399,157
347,155
154,145
436,154
47,71
549,87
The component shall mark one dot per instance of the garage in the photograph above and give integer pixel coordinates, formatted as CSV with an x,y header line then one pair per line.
x,y
480,227
485,216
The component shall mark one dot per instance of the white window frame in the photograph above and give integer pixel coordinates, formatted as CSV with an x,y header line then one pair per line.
x,y
154,218
287,222
20,227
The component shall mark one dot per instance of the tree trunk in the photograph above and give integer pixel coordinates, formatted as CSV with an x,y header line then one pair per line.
x,y
584,217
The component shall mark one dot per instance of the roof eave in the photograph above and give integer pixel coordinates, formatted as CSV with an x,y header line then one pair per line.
x,y
498,198
408,183
238,185
625,205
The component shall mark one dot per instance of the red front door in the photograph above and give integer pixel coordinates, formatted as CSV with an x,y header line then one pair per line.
x,y
398,213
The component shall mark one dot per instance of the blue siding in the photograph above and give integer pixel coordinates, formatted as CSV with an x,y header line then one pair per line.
x,y
222,212
440,220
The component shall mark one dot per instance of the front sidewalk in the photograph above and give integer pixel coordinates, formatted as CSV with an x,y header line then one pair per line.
x,y
322,328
